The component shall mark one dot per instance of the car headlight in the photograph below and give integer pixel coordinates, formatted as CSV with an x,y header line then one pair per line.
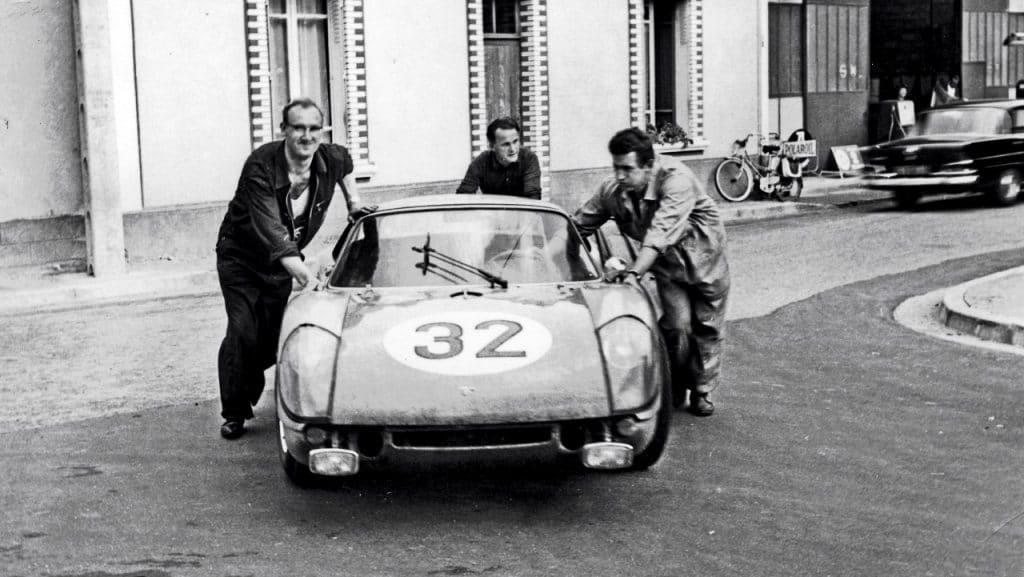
x,y
628,348
306,371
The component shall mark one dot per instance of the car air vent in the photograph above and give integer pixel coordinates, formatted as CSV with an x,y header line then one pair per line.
x,y
467,294
456,438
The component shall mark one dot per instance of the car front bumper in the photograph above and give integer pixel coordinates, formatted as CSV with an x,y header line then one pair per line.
x,y
892,180
379,447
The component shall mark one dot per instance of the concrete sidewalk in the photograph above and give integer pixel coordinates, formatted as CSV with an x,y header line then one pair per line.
x,y
30,289
990,308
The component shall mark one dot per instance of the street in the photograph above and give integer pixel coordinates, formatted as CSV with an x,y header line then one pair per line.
x,y
843,444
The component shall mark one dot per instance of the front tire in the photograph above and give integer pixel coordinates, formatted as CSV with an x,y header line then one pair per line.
x,y
1006,190
652,453
796,188
297,473
733,180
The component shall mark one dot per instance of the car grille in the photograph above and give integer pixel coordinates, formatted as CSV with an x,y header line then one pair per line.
x,y
455,438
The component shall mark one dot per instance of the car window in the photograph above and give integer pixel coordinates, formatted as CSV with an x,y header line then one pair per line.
x,y
1018,120
620,246
452,246
965,120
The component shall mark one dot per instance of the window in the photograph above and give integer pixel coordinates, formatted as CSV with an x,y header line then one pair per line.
x,y
785,50
501,58
302,62
668,57
501,17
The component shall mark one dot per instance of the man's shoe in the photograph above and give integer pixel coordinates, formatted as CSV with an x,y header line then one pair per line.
x,y
232,429
700,405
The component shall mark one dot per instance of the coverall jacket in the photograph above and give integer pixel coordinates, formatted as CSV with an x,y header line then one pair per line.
x,y
675,216
257,231
520,178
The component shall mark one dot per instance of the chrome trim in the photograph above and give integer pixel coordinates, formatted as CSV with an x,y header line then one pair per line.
x,y
890,180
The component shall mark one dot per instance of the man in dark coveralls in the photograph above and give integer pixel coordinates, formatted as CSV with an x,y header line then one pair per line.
x,y
660,204
507,168
282,197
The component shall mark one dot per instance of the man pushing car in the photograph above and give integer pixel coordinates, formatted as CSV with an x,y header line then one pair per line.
x,y
660,204
282,198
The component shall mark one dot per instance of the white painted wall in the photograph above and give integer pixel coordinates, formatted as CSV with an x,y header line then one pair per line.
x,y
40,174
193,95
417,76
730,73
588,79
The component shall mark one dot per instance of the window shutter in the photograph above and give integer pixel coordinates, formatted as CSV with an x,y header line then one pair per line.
x,y
336,69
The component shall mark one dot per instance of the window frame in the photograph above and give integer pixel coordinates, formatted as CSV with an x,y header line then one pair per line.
x,y
682,54
494,22
335,105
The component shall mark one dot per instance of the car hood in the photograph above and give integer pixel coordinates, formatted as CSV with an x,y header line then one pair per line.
x,y
422,357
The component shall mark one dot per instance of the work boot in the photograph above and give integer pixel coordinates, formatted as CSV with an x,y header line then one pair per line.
x,y
232,429
700,405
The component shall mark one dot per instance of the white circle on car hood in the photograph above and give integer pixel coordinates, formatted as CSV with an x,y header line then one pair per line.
x,y
468,343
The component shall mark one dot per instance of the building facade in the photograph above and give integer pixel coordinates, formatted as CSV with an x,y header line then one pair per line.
x,y
124,123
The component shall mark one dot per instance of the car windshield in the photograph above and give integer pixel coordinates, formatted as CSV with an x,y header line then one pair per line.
x,y
468,246
964,120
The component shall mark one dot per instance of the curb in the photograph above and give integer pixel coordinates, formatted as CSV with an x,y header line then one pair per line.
x,y
90,291
956,314
738,213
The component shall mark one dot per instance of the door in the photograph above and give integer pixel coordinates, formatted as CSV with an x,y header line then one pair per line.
x,y
501,58
836,103
501,62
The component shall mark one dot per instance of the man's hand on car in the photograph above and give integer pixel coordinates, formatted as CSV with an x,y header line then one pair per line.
x,y
298,269
624,275
359,210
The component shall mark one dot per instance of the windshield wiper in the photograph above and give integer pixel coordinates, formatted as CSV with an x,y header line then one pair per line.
x,y
452,261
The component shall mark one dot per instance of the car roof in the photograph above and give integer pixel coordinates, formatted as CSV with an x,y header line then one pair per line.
x,y
992,103
466,200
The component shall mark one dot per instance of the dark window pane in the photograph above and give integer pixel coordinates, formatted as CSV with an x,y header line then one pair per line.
x,y
278,71
312,6
785,50
312,45
276,6
488,16
505,17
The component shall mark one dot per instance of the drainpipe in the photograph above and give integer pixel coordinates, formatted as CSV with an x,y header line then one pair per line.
x,y
104,222
763,113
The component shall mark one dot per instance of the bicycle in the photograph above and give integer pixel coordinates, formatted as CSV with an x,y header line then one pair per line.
x,y
780,178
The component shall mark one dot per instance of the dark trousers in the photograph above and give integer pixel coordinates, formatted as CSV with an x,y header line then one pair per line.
x,y
255,306
693,326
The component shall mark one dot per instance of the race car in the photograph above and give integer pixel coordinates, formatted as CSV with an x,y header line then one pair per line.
x,y
471,328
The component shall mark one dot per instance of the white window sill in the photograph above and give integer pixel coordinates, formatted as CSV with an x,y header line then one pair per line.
x,y
694,148
364,172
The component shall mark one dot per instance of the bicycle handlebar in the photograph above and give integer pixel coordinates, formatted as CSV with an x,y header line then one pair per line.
x,y
742,143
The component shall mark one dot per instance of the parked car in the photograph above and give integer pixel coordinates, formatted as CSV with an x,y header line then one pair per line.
x,y
471,327
963,147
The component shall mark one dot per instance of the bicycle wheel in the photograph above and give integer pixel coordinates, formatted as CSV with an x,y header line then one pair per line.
x,y
733,180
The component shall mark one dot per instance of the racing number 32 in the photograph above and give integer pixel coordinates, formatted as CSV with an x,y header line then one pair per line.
x,y
453,340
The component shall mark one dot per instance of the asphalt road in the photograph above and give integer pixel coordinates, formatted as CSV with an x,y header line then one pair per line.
x,y
844,444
